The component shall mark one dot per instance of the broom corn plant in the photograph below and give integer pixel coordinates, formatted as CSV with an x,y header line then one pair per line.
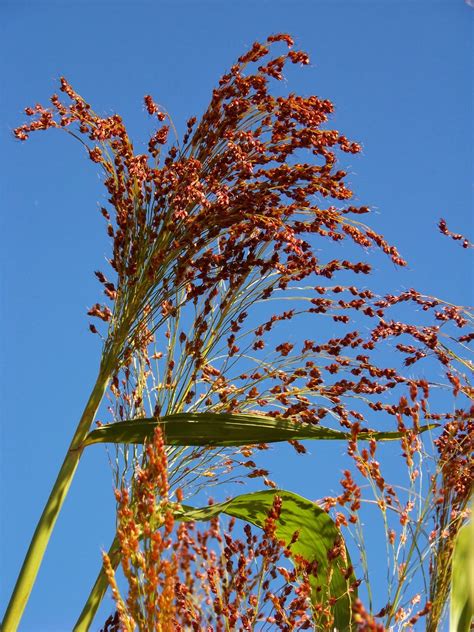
x,y
219,242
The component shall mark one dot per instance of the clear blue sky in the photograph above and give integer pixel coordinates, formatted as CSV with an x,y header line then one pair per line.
x,y
400,75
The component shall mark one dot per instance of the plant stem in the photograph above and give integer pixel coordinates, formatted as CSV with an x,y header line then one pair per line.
x,y
98,591
39,542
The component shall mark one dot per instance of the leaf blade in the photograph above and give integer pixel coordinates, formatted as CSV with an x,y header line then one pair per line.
x,y
317,536
462,581
222,429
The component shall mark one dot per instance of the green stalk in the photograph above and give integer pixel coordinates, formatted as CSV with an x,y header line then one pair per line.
x,y
98,591
39,542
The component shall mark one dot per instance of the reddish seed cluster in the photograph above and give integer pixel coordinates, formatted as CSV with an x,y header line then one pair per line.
x,y
443,227
421,613
364,621
203,579
351,496
456,447
453,491
232,183
112,624
151,574
236,202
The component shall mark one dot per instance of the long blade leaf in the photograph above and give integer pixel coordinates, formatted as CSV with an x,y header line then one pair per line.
x,y
220,429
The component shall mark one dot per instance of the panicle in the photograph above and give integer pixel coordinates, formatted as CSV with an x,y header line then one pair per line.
x,y
145,525
235,182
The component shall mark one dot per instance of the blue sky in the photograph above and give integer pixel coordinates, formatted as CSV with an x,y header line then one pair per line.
x,y
400,75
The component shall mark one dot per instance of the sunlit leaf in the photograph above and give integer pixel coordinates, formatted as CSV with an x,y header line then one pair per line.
x,y
462,581
317,536
224,429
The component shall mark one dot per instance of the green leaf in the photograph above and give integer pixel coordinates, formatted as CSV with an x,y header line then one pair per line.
x,y
221,429
462,581
317,536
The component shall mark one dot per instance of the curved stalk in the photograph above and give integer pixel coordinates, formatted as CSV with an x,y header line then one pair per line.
x,y
98,590
39,542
